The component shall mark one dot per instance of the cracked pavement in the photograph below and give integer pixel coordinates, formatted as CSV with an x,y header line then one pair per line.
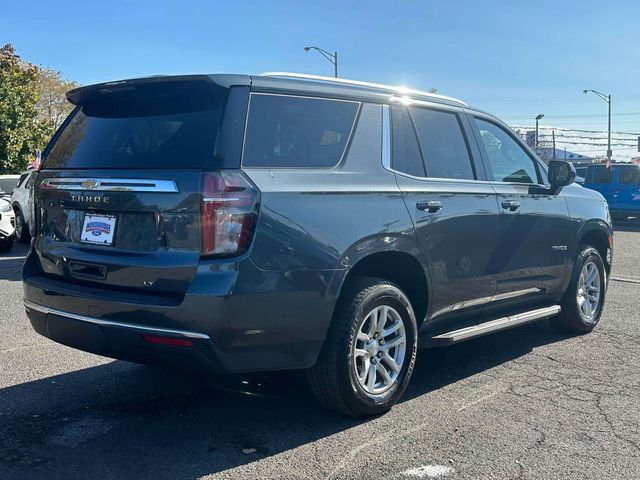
x,y
528,403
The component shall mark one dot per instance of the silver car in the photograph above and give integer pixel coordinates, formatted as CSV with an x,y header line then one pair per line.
x,y
22,203
7,219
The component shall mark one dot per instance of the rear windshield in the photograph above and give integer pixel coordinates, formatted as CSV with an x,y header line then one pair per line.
x,y
176,130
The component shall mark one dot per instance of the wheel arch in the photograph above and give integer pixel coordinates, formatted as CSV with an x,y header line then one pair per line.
x,y
400,267
598,235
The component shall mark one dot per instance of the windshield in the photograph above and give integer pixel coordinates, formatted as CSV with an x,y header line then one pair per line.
x,y
7,185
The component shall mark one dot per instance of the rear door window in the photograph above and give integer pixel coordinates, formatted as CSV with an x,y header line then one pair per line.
x,y
406,156
602,175
444,146
630,176
297,132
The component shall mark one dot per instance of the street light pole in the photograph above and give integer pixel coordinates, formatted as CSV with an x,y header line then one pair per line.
x,y
606,98
538,118
332,57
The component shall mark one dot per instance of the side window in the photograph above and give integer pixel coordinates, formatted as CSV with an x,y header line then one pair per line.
x,y
444,147
508,161
287,131
630,175
602,175
405,153
22,179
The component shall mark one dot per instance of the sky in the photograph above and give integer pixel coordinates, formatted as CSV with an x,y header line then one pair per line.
x,y
514,59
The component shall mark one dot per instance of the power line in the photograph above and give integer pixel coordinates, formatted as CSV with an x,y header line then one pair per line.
x,y
593,144
586,115
604,132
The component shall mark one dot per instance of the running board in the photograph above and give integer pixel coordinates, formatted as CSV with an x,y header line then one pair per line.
x,y
492,326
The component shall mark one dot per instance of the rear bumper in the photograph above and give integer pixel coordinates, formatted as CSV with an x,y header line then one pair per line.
x,y
122,340
239,318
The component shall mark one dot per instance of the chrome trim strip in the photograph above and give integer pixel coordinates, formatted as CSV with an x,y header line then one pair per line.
x,y
111,184
220,199
386,138
344,81
109,323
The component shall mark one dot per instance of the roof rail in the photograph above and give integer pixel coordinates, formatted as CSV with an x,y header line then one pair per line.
x,y
344,81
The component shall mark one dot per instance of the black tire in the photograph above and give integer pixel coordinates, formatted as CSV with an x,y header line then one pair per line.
x,y
6,245
570,319
22,229
333,379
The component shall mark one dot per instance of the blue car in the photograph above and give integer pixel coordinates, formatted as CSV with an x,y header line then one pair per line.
x,y
619,185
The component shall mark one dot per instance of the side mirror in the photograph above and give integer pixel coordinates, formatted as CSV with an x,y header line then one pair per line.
x,y
560,174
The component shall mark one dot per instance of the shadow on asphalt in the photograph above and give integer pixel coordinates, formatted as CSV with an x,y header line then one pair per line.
x,y
121,420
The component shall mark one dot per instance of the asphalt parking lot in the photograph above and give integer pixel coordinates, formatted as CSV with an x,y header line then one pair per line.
x,y
527,403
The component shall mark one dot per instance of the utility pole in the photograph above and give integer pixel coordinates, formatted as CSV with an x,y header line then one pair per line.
x,y
553,137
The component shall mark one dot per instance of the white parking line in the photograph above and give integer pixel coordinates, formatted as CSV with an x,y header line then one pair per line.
x,y
429,471
625,279
479,400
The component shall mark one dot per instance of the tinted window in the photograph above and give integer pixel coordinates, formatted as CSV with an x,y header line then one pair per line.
x,y
443,144
173,131
602,175
630,175
508,161
406,155
285,131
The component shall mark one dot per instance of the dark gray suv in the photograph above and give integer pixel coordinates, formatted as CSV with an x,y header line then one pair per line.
x,y
281,221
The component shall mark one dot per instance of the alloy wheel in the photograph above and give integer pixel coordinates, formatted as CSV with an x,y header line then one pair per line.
x,y
379,350
588,295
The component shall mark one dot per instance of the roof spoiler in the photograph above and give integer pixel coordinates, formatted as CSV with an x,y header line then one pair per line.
x,y
135,87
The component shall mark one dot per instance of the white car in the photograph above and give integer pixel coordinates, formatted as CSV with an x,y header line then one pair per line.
x,y
22,203
7,217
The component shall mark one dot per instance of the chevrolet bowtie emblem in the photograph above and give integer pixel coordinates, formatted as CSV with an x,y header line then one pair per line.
x,y
90,184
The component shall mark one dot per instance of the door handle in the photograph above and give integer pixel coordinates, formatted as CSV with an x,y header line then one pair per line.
x,y
511,205
430,206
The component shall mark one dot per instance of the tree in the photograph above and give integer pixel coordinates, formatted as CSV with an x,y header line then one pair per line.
x,y
21,135
52,105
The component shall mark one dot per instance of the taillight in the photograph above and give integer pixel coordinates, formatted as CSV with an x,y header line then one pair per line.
x,y
229,213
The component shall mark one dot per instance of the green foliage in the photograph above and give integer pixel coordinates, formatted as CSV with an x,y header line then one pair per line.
x,y
52,105
32,106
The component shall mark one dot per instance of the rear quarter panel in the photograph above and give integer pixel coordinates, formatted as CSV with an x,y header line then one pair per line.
x,y
316,224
